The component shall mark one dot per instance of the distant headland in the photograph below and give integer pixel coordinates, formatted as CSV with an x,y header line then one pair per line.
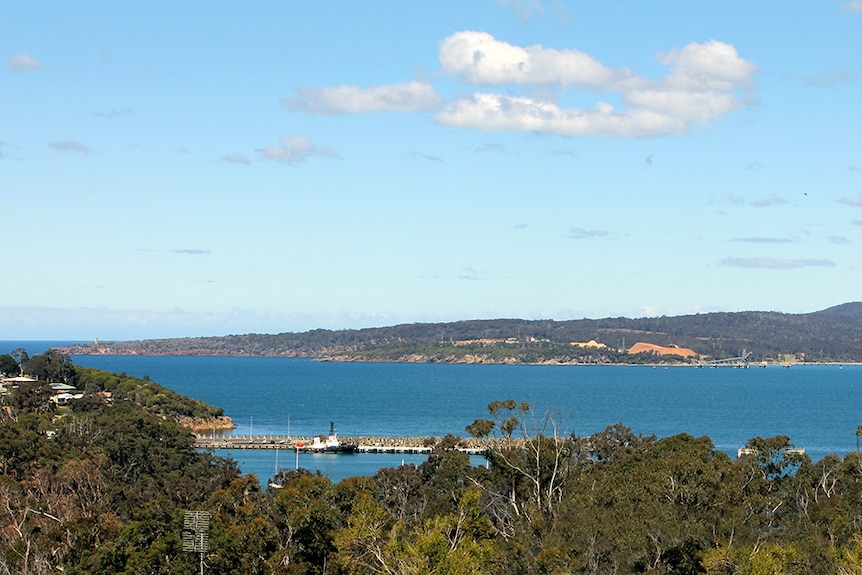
x,y
832,335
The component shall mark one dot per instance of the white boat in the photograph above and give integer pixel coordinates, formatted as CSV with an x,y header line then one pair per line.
x,y
329,445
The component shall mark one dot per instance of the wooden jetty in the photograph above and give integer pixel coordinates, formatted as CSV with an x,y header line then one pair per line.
x,y
376,444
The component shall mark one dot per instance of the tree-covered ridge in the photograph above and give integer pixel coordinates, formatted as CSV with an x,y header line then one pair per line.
x,y
147,394
834,334
53,367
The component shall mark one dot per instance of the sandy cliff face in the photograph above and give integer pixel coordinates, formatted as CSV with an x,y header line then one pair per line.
x,y
205,424
641,347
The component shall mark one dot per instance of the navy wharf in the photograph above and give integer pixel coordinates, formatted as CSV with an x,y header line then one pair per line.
x,y
377,444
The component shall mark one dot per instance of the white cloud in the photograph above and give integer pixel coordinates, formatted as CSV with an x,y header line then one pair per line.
x,y
421,156
700,107
492,147
295,150
24,62
763,240
518,114
701,85
771,263
714,66
479,58
524,8
563,153
852,6
582,234
236,159
855,202
72,146
770,200
413,96
835,78
704,82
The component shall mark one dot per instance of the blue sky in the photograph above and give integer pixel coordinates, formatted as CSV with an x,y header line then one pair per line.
x,y
207,168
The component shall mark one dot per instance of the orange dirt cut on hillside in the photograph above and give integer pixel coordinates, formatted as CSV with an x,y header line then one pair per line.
x,y
641,347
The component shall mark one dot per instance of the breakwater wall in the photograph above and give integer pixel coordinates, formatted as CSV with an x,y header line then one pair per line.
x,y
364,444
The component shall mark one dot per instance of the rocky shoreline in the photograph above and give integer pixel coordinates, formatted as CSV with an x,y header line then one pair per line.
x,y
200,425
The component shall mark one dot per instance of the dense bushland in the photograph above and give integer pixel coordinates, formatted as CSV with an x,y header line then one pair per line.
x,y
830,335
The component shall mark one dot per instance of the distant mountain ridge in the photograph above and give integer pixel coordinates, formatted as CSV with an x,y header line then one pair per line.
x,y
830,335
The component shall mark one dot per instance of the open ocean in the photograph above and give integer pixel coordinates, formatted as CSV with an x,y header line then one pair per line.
x,y
817,406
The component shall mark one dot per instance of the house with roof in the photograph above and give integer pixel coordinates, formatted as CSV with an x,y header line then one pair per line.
x,y
9,383
66,398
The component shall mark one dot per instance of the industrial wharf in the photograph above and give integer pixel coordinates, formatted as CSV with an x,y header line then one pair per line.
x,y
366,444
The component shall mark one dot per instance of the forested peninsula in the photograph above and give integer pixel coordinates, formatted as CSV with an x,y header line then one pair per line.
x,y
829,335
102,485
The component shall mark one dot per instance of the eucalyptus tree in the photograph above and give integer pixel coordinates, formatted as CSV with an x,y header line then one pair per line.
x,y
8,366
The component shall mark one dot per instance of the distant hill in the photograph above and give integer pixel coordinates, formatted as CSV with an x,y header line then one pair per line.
x,y
829,335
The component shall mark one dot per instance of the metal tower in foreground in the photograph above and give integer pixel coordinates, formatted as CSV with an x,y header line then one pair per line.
x,y
196,533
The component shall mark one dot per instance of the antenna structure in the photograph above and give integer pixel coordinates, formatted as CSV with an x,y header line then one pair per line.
x,y
196,533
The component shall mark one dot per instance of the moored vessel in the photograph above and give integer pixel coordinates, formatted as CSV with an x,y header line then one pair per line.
x,y
329,445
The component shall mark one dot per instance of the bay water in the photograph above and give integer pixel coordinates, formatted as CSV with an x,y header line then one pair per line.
x,y
818,406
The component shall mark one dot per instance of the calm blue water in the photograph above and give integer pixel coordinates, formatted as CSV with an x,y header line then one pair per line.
x,y
817,406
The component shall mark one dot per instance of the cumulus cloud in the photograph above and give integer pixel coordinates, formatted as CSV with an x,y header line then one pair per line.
x,y
702,85
413,96
713,65
770,263
296,150
704,81
24,62
582,233
519,114
479,58
72,146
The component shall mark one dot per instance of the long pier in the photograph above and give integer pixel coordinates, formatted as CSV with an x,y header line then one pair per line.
x,y
368,444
